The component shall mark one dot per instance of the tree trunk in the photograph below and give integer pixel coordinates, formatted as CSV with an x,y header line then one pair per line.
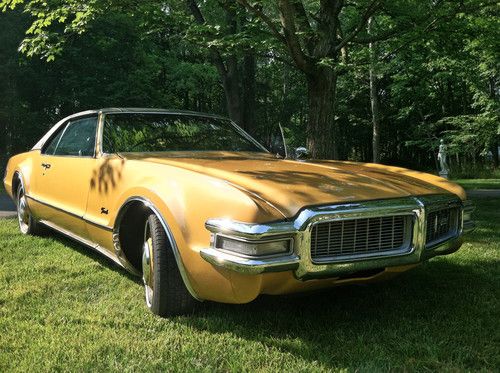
x,y
494,147
248,86
286,109
231,84
227,68
374,100
494,152
321,88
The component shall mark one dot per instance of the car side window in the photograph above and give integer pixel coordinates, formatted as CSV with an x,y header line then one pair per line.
x,y
108,138
51,146
77,139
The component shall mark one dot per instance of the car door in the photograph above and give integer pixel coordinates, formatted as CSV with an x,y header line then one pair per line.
x,y
64,175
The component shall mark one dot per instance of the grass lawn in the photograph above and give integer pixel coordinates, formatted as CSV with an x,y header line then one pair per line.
x,y
65,308
478,183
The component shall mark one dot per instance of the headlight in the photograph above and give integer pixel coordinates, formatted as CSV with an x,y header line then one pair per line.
x,y
253,248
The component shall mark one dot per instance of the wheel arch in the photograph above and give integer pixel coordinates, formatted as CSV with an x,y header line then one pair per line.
x,y
128,228
16,181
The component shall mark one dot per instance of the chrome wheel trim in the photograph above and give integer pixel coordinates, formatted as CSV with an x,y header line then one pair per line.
x,y
23,214
147,266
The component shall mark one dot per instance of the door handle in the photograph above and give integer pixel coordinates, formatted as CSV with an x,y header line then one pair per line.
x,y
46,165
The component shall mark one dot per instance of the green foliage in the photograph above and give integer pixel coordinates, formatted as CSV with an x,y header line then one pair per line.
x,y
470,134
436,65
52,21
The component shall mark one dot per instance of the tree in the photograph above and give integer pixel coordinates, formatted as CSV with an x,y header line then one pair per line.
x,y
374,100
237,72
316,35
378,75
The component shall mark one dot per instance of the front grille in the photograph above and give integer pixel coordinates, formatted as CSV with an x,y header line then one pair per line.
x,y
441,225
358,238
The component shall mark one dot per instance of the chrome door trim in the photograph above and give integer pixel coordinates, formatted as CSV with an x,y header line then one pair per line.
x,y
83,241
105,227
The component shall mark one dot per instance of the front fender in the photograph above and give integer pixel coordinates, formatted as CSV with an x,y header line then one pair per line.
x,y
184,206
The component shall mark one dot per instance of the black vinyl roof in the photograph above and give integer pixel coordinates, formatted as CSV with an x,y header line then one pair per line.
x,y
114,110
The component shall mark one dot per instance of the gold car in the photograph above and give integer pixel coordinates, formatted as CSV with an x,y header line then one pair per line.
x,y
202,211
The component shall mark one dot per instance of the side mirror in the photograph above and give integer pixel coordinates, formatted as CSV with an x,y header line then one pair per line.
x,y
274,141
301,152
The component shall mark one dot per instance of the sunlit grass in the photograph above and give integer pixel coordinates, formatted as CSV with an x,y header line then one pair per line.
x,y
479,183
65,308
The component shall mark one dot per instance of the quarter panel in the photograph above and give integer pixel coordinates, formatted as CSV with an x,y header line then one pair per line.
x,y
23,165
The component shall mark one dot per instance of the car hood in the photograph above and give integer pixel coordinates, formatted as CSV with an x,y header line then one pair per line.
x,y
290,185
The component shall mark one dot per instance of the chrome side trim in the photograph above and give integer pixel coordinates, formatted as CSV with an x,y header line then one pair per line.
x,y
83,241
121,255
105,227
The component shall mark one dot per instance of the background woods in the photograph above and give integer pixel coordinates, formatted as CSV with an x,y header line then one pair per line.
x,y
362,80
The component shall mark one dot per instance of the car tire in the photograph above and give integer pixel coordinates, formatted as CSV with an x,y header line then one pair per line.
x,y
27,224
166,294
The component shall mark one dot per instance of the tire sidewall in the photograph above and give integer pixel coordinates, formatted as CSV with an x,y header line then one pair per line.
x,y
29,229
170,295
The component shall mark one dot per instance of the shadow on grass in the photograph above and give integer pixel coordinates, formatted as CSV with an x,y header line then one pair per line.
x,y
442,315
349,326
90,253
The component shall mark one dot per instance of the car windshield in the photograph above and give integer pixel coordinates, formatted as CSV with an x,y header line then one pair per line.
x,y
145,132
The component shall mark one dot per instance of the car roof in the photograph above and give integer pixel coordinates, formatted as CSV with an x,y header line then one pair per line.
x,y
138,110
117,110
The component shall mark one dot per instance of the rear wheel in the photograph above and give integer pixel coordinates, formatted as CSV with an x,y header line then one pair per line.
x,y
27,224
166,294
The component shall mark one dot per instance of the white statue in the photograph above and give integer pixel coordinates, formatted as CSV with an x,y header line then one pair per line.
x,y
444,170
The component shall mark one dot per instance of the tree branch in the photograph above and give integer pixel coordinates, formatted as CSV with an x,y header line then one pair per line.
x,y
302,18
328,24
214,53
369,11
287,14
273,56
380,37
264,18
289,36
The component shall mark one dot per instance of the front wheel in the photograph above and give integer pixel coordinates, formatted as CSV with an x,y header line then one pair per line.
x,y
27,224
166,294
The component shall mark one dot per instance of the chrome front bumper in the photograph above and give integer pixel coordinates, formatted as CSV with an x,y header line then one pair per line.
x,y
299,229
